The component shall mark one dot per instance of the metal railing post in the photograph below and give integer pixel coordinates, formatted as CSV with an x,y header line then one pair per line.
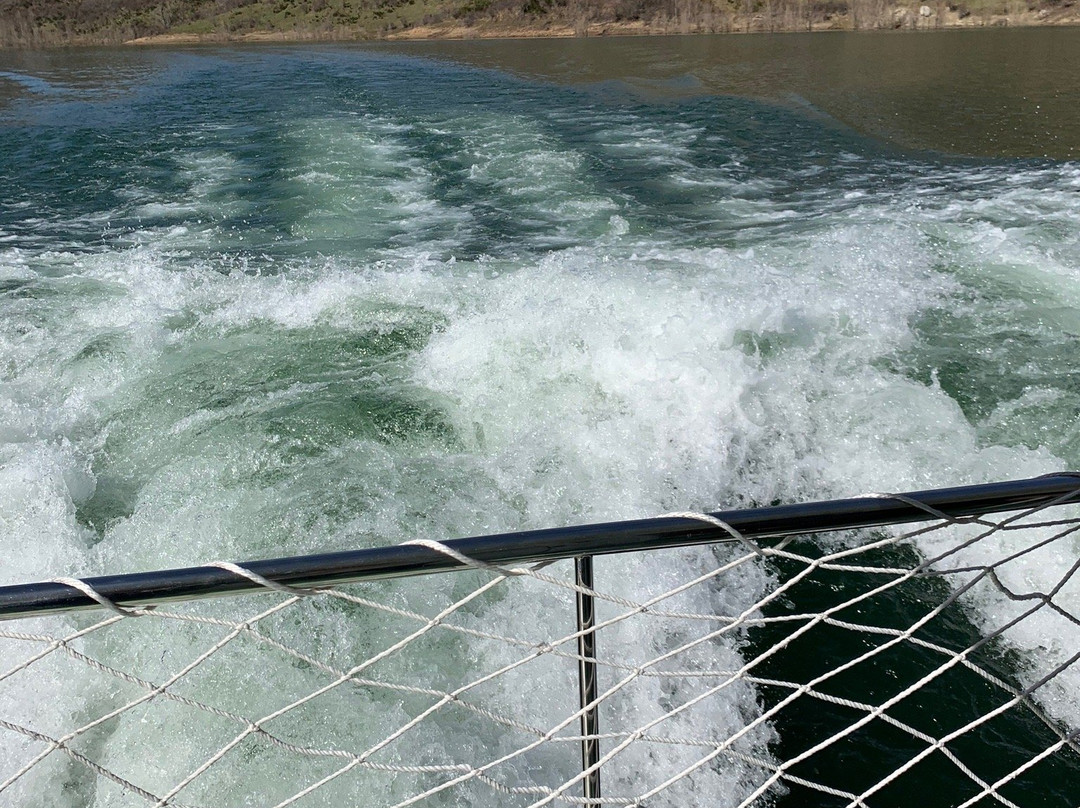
x,y
590,723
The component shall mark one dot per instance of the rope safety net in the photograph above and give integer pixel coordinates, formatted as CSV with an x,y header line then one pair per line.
x,y
871,667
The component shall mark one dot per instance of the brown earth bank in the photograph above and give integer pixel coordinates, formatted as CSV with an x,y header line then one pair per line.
x,y
495,29
44,23
899,17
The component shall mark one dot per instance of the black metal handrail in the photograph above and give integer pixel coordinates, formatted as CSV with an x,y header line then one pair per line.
x,y
542,545
580,543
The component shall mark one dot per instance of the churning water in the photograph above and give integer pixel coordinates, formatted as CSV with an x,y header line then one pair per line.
x,y
274,301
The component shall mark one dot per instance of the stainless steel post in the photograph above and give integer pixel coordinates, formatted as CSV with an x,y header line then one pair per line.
x,y
590,724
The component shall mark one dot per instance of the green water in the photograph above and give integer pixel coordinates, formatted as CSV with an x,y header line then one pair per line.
x,y
265,301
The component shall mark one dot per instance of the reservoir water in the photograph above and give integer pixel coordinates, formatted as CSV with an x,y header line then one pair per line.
x,y
268,301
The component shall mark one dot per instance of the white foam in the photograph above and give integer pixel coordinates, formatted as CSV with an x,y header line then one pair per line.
x,y
623,378
356,177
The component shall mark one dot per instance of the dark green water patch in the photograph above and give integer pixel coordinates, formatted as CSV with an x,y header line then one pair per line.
x,y
29,290
391,415
17,289
271,404
114,499
240,366
101,346
1010,367
956,697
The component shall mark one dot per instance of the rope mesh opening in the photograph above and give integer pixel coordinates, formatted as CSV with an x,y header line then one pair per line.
x,y
861,668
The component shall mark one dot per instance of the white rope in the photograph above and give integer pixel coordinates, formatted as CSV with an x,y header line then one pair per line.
x,y
448,664
254,577
93,594
709,519
463,559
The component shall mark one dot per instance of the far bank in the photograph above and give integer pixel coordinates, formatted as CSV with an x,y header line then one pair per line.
x,y
50,23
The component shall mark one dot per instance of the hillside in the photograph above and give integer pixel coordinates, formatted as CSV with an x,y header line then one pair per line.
x,y
40,23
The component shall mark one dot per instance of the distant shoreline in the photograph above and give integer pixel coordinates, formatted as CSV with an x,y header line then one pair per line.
x,y
32,24
495,29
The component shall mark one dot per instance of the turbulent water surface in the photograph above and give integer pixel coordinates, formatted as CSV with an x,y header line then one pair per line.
x,y
274,301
